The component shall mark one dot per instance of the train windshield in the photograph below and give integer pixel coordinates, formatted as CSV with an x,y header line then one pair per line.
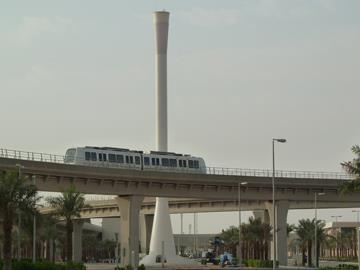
x,y
70,155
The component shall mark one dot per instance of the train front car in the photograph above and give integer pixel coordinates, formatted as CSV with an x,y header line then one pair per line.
x,y
70,156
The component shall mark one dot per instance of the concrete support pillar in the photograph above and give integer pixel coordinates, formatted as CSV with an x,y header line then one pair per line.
x,y
263,215
281,210
146,223
77,240
129,207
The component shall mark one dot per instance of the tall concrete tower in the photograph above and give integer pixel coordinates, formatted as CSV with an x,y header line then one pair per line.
x,y
161,235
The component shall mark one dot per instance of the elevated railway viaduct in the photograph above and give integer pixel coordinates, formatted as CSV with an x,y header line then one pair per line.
x,y
294,190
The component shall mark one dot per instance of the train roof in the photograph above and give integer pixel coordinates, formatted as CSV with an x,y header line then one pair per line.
x,y
164,153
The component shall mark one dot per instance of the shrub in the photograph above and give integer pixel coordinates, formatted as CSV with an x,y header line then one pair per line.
x,y
129,267
258,263
141,267
75,266
26,264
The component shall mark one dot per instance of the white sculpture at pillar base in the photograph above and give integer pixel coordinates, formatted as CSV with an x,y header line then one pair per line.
x,y
162,236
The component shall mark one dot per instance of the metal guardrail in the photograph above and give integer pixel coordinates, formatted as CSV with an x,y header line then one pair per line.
x,y
34,156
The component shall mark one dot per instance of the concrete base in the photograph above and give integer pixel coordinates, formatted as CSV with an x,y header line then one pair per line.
x,y
150,260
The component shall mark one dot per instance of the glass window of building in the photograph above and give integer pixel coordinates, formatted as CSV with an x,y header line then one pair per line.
x,y
153,161
87,155
100,157
127,159
104,157
180,163
131,159
93,156
157,162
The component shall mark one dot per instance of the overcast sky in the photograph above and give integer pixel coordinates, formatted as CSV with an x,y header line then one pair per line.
x,y
75,73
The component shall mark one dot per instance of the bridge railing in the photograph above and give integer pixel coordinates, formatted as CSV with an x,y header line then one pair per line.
x,y
16,154
278,173
34,156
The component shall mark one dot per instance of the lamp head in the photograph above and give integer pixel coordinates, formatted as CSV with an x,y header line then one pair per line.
x,y
280,140
243,183
321,193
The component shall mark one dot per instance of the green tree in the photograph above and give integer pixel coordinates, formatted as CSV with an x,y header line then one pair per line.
x,y
230,237
306,233
68,206
255,237
16,194
353,168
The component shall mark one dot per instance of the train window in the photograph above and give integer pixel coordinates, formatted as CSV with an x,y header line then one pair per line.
x,y
157,162
112,158
127,159
191,164
119,158
93,156
165,162
100,157
196,164
137,160
131,159
173,162
146,161
87,155
153,161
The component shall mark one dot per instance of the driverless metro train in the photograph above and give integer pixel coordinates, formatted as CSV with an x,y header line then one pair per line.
x,y
125,158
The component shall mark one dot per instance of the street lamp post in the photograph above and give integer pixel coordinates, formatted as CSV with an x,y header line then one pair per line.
x,y
315,207
19,167
239,210
273,198
34,229
337,251
358,235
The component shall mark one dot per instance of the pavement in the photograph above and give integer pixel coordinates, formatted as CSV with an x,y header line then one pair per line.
x,y
107,266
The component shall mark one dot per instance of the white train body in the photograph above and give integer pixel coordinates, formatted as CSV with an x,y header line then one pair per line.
x,y
125,158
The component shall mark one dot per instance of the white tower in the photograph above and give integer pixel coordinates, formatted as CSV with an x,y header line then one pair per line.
x,y
161,231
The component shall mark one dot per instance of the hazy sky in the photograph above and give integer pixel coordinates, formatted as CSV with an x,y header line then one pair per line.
x,y
75,73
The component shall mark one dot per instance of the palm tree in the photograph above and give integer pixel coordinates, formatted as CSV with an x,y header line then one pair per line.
x,y
306,231
230,237
15,195
255,236
68,206
353,168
